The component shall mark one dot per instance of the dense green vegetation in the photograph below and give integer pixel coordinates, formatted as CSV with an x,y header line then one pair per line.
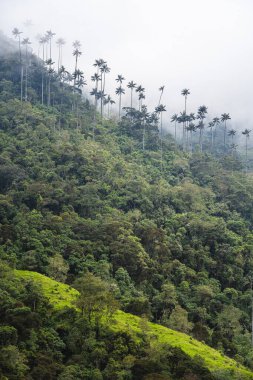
x,y
82,198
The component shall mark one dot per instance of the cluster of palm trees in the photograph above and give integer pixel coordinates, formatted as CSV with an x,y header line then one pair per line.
x,y
191,123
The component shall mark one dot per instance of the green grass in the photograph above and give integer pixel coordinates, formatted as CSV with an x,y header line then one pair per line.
x,y
61,295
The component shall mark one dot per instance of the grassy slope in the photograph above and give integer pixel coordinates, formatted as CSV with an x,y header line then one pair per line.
x,y
61,295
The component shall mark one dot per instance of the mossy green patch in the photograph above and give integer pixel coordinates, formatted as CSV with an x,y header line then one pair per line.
x,y
61,295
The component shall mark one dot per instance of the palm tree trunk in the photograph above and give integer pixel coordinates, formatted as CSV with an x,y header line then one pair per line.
x,y
26,73
175,130
246,149
101,99
21,70
49,90
225,133
131,97
42,77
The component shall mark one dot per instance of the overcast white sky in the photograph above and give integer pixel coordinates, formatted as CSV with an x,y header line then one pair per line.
x,y
203,45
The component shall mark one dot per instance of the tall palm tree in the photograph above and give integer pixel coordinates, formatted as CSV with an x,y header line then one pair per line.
x,y
104,69
60,42
49,63
120,91
246,133
50,35
232,134
202,111
26,42
111,103
211,126
63,77
16,32
224,118
174,119
76,53
185,92
131,85
144,118
95,78
141,98
159,110
160,98
216,122
191,128
42,41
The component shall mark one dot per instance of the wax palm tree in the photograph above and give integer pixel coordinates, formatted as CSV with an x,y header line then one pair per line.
x,y
185,92
182,119
159,110
76,44
49,63
211,126
50,35
191,128
42,41
76,53
161,89
120,79
60,43
246,133
104,69
174,119
131,85
26,42
120,91
202,111
232,134
224,118
144,116
216,122
141,98
140,89
16,32
95,78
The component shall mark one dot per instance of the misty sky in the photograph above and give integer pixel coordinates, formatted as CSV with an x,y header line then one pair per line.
x,y
203,45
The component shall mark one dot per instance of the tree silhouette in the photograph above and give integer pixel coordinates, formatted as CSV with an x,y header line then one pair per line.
x,y
202,111
246,133
104,69
232,134
120,91
174,119
211,126
26,42
60,43
185,92
159,110
191,128
160,98
50,35
131,85
16,32
224,118
216,122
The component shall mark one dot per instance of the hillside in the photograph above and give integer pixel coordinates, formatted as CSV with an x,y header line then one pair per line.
x,y
61,295
159,230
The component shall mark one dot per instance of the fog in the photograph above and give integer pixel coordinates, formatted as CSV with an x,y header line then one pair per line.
x,y
202,45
